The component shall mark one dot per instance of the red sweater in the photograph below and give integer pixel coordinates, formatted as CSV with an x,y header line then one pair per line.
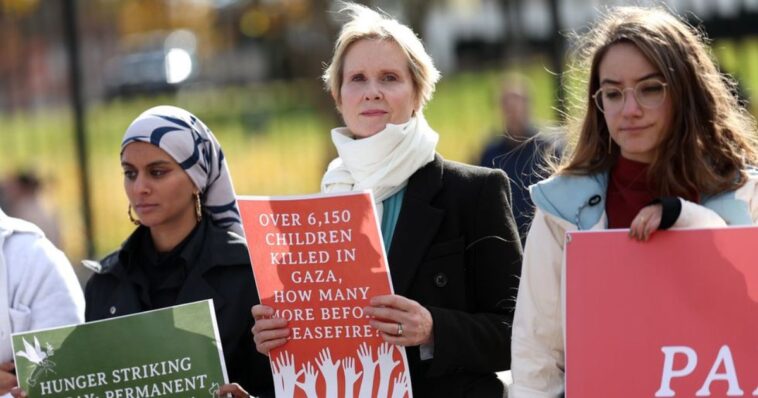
x,y
628,192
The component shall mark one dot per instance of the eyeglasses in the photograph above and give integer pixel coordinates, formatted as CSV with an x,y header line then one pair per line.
x,y
648,93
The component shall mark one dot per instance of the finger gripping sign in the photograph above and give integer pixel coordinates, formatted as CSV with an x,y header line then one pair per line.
x,y
317,261
676,316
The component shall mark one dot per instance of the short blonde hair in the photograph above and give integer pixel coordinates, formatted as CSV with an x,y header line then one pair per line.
x,y
365,23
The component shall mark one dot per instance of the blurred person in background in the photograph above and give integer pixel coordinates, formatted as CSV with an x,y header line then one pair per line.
x,y
663,143
519,149
453,248
22,198
38,289
188,244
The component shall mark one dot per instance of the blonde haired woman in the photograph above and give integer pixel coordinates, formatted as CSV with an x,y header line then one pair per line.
x,y
453,248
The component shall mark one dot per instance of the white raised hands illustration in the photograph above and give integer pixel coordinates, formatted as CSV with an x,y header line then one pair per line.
x,y
348,367
401,386
278,380
285,377
386,365
309,385
329,371
369,367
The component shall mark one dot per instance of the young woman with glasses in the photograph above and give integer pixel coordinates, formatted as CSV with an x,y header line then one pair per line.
x,y
662,143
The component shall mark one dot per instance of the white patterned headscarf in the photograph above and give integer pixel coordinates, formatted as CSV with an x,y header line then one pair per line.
x,y
186,139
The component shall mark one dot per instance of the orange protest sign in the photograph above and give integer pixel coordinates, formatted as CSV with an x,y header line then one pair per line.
x,y
317,261
676,316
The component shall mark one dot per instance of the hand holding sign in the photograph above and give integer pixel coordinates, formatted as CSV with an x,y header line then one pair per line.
x,y
17,392
7,379
401,320
268,333
234,389
646,222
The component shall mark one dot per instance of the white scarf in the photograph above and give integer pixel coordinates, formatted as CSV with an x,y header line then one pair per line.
x,y
382,162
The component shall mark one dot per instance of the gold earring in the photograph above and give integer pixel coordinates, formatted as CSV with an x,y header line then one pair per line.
x,y
131,217
198,207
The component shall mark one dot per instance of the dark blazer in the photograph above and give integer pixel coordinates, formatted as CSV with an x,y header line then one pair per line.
x,y
457,252
222,272
524,162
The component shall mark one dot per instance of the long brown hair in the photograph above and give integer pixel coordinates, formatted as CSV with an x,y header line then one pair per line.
x,y
711,138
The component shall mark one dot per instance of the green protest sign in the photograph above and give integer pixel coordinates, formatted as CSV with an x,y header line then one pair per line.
x,y
171,352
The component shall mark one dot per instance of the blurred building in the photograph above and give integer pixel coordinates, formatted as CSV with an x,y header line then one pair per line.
x,y
130,47
472,33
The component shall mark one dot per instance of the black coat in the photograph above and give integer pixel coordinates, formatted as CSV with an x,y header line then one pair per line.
x,y
456,251
524,162
221,272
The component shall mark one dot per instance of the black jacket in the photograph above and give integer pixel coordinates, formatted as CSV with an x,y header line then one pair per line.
x,y
525,163
220,270
456,251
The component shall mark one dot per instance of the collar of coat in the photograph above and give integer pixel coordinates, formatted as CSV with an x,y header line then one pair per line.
x,y
580,200
9,225
220,248
417,224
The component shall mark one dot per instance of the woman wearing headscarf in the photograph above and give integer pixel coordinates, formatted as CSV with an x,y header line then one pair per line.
x,y
453,249
188,244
